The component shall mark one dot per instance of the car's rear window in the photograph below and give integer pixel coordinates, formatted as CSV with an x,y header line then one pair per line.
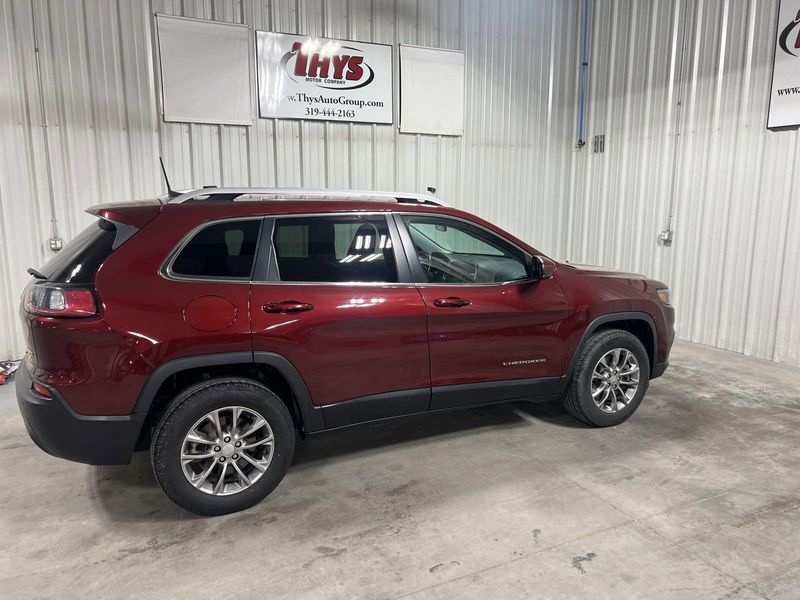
x,y
79,259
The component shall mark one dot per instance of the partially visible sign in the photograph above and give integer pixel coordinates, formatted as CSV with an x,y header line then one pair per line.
x,y
301,77
784,104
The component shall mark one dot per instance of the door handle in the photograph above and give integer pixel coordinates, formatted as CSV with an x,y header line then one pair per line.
x,y
451,302
287,306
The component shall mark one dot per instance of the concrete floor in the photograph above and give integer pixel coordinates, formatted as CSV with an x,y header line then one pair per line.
x,y
697,496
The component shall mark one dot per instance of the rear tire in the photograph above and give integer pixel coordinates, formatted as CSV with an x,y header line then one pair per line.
x,y
211,452
601,391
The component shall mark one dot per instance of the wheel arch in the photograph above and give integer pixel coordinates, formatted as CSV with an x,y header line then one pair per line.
x,y
265,367
637,323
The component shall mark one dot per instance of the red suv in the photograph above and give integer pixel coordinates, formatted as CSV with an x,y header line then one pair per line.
x,y
215,327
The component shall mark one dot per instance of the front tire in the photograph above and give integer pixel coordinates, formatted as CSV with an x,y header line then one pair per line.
x,y
222,446
609,380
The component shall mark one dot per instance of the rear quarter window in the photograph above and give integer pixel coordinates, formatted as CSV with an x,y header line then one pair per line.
x,y
219,251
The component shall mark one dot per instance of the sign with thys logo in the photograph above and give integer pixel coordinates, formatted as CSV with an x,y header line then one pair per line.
x,y
301,77
784,102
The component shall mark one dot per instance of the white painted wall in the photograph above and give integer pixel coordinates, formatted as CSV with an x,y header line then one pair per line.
x,y
733,264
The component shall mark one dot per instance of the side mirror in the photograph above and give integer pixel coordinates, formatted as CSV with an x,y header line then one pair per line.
x,y
539,268
533,267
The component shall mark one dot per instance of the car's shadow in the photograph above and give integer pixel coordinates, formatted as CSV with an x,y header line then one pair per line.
x,y
130,493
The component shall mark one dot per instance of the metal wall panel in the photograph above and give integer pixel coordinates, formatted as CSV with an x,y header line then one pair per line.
x,y
733,264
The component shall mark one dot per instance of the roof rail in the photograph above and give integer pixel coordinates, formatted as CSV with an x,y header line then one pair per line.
x,y
230,194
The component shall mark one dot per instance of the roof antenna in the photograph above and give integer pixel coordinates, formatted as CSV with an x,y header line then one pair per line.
x,y
170,192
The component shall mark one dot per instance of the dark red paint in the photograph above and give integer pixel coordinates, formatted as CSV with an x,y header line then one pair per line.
x,y
356,340
210,313
515,322
359,340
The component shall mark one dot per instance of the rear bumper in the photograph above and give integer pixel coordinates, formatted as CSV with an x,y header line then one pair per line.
x,y
60,431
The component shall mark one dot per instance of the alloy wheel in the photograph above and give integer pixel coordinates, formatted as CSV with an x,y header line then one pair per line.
x,y
227,450
615,379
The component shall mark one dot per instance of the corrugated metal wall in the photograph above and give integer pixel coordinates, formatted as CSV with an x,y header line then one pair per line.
x,y
733,264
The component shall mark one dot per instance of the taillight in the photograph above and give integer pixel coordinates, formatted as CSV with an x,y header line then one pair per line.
x,y
58,301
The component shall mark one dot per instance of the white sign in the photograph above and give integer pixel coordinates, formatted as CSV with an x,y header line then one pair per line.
x,y
784,102
205,71
431,90
301,77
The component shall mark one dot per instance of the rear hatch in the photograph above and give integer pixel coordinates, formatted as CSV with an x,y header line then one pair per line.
x,y
62,292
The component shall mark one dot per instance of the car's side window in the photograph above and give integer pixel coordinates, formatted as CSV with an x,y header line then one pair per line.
x,y
451,251
219,251
334,248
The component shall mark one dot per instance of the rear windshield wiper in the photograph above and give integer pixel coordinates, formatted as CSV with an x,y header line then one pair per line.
x,y
37,274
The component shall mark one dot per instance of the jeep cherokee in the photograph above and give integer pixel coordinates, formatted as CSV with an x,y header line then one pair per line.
x,y
216,326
